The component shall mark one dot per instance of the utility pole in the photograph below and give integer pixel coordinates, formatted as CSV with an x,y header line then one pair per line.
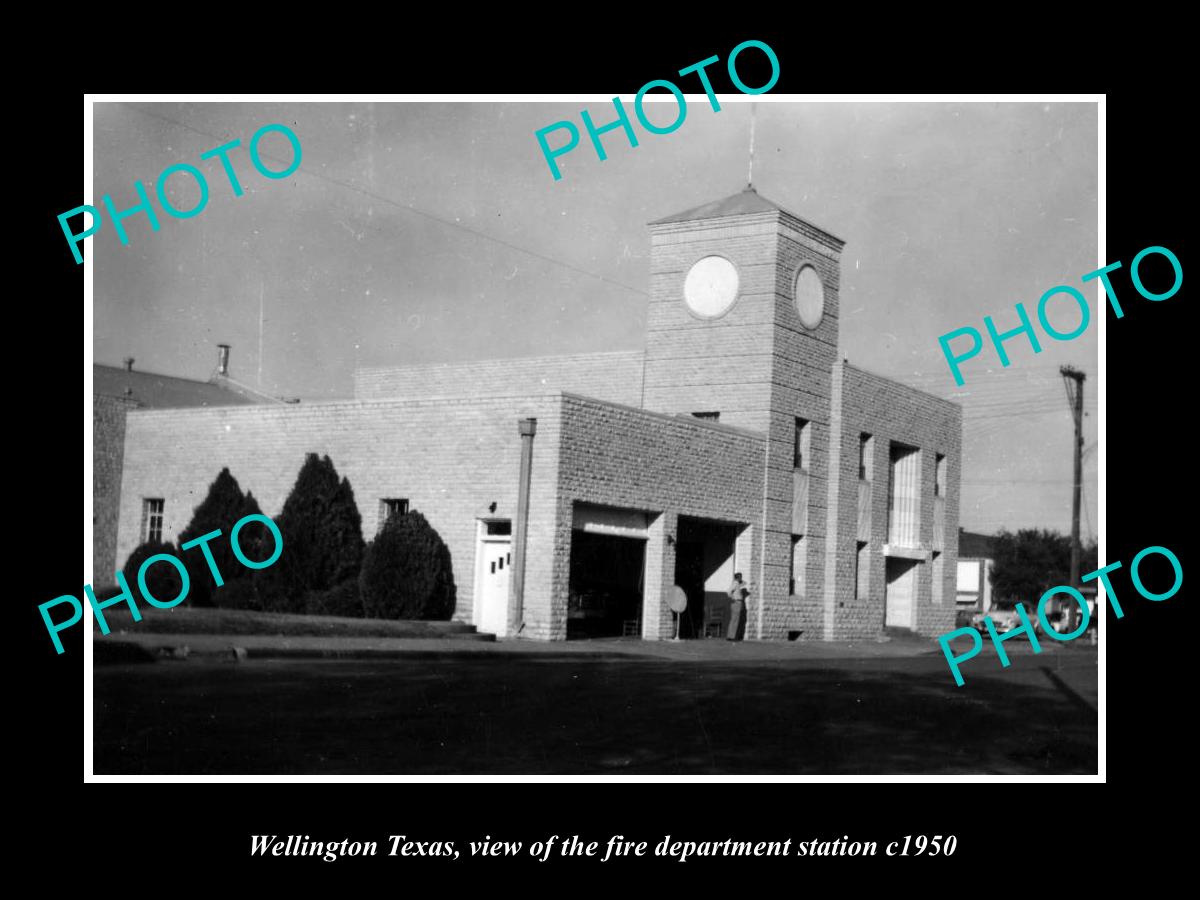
x,y
1069,374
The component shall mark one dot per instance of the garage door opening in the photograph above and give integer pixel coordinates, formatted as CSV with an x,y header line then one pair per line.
x,y
607,582
704,567
608,572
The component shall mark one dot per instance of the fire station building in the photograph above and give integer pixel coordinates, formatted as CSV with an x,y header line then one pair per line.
x,y
576,492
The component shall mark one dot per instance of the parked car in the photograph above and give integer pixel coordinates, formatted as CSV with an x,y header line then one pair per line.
x,y
1002,620
1005,620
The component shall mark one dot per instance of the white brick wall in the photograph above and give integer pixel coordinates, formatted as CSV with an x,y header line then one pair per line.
x,y
450,459
615,376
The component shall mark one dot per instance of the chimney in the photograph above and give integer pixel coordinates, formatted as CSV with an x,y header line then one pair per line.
x,y
223,359
128,363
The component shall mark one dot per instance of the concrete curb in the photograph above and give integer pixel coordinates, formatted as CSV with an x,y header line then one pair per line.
x,y
123,652
150,647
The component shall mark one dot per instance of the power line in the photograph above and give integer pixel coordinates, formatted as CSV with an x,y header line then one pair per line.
x,y
1004,398
995,405
1008,395
1010,407
407,207
985,390
1011,415
977,383
1017,368
1017,481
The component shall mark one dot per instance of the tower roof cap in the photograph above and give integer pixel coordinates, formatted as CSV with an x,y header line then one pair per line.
x,y
745,202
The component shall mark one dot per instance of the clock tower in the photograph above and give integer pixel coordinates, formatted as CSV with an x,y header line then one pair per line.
x,y
743,323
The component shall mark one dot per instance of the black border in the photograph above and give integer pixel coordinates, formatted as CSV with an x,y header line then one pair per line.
x,y
200,836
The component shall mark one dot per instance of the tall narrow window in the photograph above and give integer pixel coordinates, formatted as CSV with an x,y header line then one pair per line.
x,y
904,508
798,575
389,506
862,570
939,576
802,445
866,452
939,482
152,519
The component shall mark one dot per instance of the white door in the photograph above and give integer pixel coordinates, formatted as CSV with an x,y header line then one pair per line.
x,y
495,562
901,592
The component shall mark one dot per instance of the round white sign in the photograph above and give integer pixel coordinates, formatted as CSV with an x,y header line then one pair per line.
x,y
677,599
711,286
810,297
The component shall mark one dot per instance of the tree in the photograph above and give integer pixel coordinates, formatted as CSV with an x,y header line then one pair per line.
x,y
407,572
340,600
220,510
252,589
1030,562
322,536
254,539
162,578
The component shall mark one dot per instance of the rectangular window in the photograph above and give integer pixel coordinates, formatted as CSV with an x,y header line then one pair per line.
x,y
500,527
152,519
862,571
866,454
710,416
904,495
802,447
939,483
389,507
797,576
939,577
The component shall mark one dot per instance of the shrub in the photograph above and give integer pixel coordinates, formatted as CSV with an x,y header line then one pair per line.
x,y
322,535
341,600
407,572
220,510
242,593
162,578
255,539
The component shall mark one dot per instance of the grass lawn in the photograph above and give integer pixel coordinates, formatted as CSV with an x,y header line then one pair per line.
x,y
186,619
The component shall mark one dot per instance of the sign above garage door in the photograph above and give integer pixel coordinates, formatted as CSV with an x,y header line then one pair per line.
x,y
613,520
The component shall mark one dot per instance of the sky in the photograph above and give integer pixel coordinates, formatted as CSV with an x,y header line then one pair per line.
x,y
426,232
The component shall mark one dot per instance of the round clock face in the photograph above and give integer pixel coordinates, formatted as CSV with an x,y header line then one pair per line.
x,y
711,286
810,297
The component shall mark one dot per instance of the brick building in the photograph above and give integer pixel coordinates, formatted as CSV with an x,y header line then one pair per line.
x,y
976,558
576,492
115,391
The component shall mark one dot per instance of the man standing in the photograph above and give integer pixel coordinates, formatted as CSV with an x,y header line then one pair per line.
x,y
738,592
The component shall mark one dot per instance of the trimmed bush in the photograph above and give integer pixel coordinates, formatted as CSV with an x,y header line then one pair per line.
x,y
322,537
341,600
243,593
255,539
162,578
220,510
407,572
